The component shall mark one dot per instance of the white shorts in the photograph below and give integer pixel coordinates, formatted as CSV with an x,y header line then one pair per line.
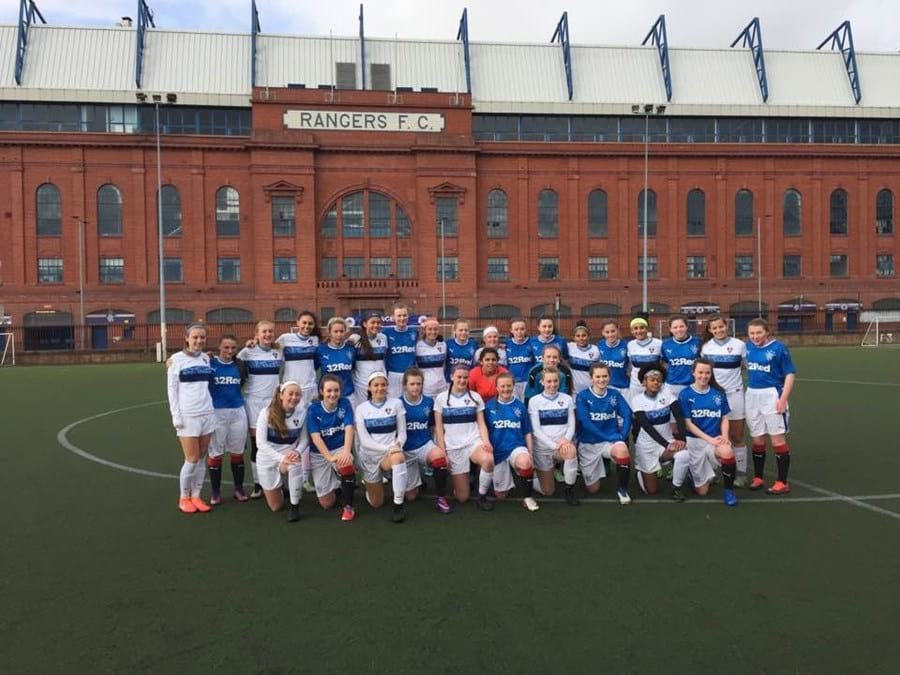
x,y
590,460
737,404
503,478
762,418
230,434
268,465
543,458
369,463
395,385
254,405
310,394
519,390
324,474
677,388
646,457
195,426
633,390
459,458
703,461
416,460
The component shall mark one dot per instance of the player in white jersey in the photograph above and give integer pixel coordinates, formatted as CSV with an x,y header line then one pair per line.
x,y
552,416
299,351
371,348
643,349
582,355
263,361
459,427
431,358
381,429
490,336
728,356
191,407
282,439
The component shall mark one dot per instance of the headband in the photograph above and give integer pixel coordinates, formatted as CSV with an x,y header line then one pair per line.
x,y
375,376
638,321
654,373
287,383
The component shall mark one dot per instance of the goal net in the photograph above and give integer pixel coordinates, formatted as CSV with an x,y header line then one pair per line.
x,y
883,329
7,349
695,327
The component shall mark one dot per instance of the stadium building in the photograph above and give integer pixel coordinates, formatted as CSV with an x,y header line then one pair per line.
x,y
472,179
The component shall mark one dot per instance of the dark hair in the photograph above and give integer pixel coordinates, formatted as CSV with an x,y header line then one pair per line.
x,y
759,321
678,317
412,372
227,336
365,345
547,317
329,378
647,367
703,361
488,350
707,332
581,323
306,312
598,366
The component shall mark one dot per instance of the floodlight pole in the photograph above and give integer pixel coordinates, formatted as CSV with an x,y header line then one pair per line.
x,y
159,225
646,188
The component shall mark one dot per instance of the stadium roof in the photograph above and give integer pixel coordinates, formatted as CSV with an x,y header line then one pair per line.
x,y
206,68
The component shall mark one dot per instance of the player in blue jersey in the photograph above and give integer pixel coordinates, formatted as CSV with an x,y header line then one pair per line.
x,y
546,335
460,348
230,434
519,355
603,422
613,353
336,356
770,381
187,385
705,409
330,424
420,449
509,428
582,355
678,353
552,358
401,352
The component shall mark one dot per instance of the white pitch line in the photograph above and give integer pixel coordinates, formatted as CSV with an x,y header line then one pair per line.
x,y
850,500
861,382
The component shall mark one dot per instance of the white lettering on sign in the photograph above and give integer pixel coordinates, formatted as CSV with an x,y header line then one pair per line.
x,y
344,120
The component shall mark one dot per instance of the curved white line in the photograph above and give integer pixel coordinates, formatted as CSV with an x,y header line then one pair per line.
x,y
860,382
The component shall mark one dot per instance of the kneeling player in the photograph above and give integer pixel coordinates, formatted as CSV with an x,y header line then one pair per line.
x,y
419,449
603,423
509,428
552,416
330,423
282,440
705,409
230,433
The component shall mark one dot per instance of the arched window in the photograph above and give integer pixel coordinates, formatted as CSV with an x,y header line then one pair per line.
x,y
884,212
549,309
548,214
229,315
598,225
603,309
448,313
743,213
365,213
173,315
228,212
659,308
839,212
696,213
497,214
171,211
651,213
285,314
792,214
109,211
49,211
499,311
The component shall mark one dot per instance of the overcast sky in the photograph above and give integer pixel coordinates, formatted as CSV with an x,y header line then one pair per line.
x,y
786,24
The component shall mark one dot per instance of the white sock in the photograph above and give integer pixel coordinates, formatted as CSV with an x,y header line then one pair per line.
x,y
536,484
198,478
186,478
295,483
680,468
740,456
304,463
398,482
255,472
485,478
570,471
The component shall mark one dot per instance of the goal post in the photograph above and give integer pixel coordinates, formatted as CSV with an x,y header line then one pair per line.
x,y
7,349
883,330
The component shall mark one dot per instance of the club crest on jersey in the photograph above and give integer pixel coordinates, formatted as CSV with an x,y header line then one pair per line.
x,y
560,404
340,413
717,399
296,422
695,349
613,401
770,355
388,411
517,412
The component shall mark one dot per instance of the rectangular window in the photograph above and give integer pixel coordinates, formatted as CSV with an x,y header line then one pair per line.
x,y
498,269
598,267
448,268
112,270
329,268
354,268
791,266
447,216
652,267
495,127
329,225
352,215
345,75
379,215
50,270
404,268
884,266
283,216
404,229
229,270
839,266
381,268
696,267
692,130
381,76
284,270
548,268
595,129
545,128
743,267
740,130
173,269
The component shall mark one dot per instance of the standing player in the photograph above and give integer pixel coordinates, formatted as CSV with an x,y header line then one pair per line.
x,y
728,355
552,359
282,440
705,409
519,355
643,350
431,358
483,377
230,434
678,353
263,363
582,355
546,335
490,336
401,351
461,348
371,349
603,422
336,357
330,424
419,449
552,416
770,381
509,429
191,406
614,354
459,427
299,351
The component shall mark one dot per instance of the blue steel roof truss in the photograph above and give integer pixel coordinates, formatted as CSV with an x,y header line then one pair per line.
x,y
362,44
661,41
145,18
842,38
752,38
463,34
254,31
561,35
27,11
